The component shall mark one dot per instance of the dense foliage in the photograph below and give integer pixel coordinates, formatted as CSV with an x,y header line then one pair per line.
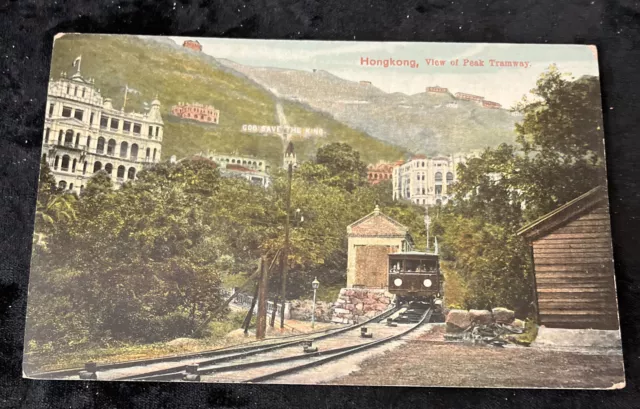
x,y
559,156
147,262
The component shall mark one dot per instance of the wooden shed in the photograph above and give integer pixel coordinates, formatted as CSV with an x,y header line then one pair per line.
x,y
573,264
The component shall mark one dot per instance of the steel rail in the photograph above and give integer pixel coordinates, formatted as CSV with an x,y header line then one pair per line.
x,y
254,350
246,348
351,350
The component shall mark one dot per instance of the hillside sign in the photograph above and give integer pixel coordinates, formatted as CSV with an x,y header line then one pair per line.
x,y
282,130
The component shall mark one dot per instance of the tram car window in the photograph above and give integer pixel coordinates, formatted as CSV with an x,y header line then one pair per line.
x,y
414,276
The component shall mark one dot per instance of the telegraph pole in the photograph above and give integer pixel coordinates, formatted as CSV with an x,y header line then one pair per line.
x,y
285,253
261,319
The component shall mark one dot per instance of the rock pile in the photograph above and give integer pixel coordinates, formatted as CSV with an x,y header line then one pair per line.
x,y
301,310
495,327
357,304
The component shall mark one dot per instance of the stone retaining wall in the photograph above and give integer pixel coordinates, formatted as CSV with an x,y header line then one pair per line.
x,y
301,310
358,304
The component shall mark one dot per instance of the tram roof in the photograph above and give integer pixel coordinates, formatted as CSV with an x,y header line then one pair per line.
x,y
413,254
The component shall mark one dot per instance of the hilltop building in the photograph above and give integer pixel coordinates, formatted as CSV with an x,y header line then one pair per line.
x,y
426,181
491,105
365,82
196,112
379,172
469,97
452,105
192,45
437,90
84,134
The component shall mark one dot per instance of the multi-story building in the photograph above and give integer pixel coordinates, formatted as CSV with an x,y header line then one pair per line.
x,y
250,168
380,172
84,134
192,45
197,112
426,181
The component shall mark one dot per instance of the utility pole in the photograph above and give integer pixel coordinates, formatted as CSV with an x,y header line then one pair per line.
x,y
261,319
285,253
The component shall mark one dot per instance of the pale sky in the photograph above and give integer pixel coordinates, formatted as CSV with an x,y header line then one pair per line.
x,y
342,58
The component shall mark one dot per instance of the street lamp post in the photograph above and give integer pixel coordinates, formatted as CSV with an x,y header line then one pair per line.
x,y
315,284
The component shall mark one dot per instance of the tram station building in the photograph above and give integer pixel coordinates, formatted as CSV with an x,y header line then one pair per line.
x,y
370,240
84,134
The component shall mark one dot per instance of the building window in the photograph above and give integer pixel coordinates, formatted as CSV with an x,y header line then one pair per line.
x,y
150,131
131,174
83,90
111,147
104,122
84,168
121,170
60,135
100,147
134,152
78,114
66,112
157,131
68,89
55,163
137,128
75,91
126,126
68,138
108,168
148,154
51,106
73,167
88,142
44,157
77,140
438,189
438,177
114,124
91,119
62,185
96,167
65,162
46,135
124,147
449,178
154,154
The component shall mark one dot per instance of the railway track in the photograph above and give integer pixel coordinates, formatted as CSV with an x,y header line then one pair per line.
x,y
289,360
170,367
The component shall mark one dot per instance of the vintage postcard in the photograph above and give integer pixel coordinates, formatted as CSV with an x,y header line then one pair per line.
x,y
316,212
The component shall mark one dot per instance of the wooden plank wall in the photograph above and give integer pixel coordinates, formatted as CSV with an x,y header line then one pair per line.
x,y
574,274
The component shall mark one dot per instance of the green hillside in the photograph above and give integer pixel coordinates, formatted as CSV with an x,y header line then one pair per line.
x,y
177,75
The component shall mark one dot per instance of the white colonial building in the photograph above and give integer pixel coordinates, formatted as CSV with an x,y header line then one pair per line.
x,y
255,170
84,134
426,181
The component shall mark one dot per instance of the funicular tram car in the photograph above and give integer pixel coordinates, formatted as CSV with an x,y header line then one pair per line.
x,y
414,277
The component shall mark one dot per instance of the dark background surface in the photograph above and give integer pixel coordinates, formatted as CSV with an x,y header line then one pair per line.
x,y
26,33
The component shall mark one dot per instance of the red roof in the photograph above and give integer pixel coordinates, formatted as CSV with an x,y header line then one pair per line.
x,y
239,168
419,157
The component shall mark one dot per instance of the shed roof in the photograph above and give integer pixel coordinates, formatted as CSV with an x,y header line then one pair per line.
x,y
377,224
564,213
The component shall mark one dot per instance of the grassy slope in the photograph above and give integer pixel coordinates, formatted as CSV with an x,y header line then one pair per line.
x,y
177,75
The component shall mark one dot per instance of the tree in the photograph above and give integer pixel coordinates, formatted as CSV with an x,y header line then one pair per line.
x,y
558,157
345,168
